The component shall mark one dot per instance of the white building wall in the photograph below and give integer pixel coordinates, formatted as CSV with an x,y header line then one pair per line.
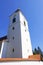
x,y
4,49
16,42
19,43
25,38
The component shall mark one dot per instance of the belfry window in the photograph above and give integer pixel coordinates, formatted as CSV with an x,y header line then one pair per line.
x,y
14,20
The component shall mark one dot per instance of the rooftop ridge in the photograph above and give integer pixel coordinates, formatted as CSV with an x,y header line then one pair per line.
x,y
18,10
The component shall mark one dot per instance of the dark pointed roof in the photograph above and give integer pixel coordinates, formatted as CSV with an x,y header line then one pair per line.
x,y
17,10
3,38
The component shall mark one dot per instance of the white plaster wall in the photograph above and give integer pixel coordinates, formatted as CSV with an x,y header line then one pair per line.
x,y
16,43
22,63
21,43
4,49
25,38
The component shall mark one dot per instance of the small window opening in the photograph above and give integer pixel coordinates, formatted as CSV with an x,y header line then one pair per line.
x,y
24,23
13,49
13,28
14,20
13,38
25,30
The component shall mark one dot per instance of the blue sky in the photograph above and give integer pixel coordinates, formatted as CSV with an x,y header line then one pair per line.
x,y
32,10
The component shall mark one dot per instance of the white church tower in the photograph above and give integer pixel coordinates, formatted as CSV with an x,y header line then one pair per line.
x,y
18,43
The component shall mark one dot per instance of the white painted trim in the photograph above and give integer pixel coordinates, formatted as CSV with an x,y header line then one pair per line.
x,y
2,48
